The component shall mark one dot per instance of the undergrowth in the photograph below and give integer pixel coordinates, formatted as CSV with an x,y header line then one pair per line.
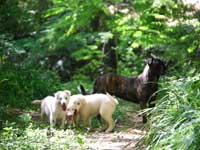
x,y
22,132
175,121
39,138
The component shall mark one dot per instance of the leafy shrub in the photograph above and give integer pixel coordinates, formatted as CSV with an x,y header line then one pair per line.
x,y
175,121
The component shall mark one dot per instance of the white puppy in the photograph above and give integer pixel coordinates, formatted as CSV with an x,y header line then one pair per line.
x,y
54,108
91,105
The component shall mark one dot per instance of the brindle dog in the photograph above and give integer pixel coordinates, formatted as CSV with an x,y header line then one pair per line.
x,y
141,89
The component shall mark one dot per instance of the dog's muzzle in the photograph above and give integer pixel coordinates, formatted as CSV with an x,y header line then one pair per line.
x,y
75,112
64,106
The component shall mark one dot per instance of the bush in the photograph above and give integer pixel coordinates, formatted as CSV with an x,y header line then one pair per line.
x,y
175,122
21,78
19,85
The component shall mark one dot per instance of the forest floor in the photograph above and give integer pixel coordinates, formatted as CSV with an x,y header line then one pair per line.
x,y
126,136
128,131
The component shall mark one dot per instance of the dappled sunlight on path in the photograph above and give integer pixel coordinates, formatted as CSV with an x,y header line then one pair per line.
x,y
114,141
125,137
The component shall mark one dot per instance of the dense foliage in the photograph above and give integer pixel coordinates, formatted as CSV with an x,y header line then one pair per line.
x,y
175,120
48,45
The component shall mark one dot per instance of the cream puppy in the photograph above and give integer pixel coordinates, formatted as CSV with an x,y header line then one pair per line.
x,y
89,106
54,108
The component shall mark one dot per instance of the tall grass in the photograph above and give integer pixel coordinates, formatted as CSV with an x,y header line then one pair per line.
x,y
175,121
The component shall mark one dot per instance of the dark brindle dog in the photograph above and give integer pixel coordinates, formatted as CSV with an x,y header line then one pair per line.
x,y
140,89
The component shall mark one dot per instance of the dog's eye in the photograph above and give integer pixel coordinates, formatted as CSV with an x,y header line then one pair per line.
x,y
78,103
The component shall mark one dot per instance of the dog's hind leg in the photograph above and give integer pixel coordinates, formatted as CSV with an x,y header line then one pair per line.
x,y
109,121
105,126
51,120
106,114
42,115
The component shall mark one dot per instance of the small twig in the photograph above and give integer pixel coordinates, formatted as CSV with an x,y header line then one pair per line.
x,y
132,140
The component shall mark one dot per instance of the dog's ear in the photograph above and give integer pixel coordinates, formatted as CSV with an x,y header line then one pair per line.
x,y
56,95
149,61
67,92
153,56
82,99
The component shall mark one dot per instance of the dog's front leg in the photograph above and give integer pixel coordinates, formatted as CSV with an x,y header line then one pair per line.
x,y
75,120
87,124
86,121
143,105
63,123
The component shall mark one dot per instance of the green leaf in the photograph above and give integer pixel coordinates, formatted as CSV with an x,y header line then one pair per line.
x,y
192,48
159,16
80,140
135,45
137,34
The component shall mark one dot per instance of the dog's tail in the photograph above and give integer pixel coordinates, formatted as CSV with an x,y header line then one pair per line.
x,y
82,89
115,101
36,102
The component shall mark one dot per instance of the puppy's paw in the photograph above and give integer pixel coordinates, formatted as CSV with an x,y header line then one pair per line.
x,y
90,129
108,131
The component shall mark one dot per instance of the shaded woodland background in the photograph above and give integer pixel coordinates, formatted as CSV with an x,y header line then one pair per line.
x,y
49,45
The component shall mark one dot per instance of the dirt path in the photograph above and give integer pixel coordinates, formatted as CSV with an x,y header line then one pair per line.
x,y
125,137
114,141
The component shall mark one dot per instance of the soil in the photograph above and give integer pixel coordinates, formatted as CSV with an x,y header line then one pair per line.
x,y
126,136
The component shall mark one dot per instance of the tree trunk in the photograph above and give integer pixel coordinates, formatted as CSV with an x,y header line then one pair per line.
x,y
110,56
